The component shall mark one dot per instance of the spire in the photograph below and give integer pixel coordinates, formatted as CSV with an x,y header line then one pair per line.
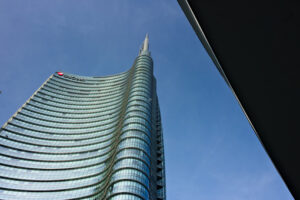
x,y
146,43
145,47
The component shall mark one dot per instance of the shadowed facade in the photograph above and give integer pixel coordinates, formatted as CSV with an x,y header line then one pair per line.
x,y
255,46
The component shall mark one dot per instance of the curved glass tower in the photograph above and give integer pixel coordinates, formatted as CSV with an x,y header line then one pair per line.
x,y
87,138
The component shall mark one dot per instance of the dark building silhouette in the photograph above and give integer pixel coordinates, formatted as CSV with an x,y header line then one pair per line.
x,y
255,46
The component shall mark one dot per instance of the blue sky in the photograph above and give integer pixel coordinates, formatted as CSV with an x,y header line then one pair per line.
x,y
211,151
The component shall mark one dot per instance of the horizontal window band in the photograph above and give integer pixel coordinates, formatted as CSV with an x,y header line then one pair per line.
x,y
55,153
59,115
110,125
96,84
102,154
52,118
131,180
111,111
126,195
131,168
123,196
65,85
57,141
41,94
136,189
59,150
67,134
62,101
14,128
79,93
91,81
52,104
74,95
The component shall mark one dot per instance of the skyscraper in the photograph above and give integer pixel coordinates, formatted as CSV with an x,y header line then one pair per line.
x,y
87,138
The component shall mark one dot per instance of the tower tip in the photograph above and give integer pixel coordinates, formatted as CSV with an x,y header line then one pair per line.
x,y
145,46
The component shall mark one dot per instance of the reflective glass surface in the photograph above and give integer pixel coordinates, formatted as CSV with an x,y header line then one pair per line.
x,y
86,138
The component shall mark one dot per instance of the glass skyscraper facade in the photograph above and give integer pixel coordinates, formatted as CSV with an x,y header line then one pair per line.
x,y
87,138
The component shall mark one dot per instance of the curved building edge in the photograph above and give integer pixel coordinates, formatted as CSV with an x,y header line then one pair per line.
x,y
86,137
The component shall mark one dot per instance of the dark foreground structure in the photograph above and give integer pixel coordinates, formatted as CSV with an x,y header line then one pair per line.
x,y
87,138
255,45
